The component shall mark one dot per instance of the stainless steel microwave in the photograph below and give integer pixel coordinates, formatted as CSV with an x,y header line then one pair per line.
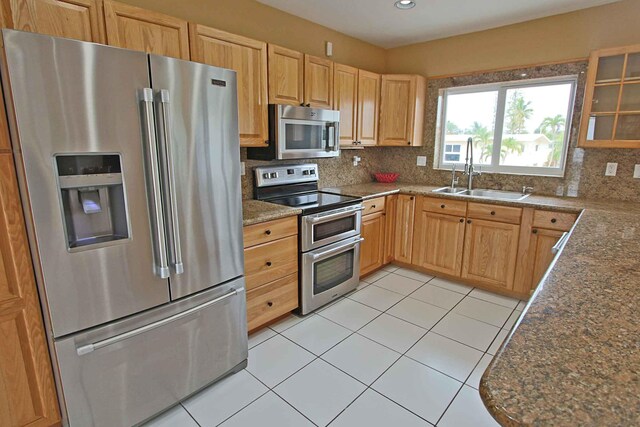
x,y
300,133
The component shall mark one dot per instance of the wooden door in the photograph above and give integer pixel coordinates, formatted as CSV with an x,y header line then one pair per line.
x,y
397,110
391,208
403,236
73,19
345,98
372,248
438,242
318,82
368,107
249,59
542,240
286,76
490,252
135,28
27,390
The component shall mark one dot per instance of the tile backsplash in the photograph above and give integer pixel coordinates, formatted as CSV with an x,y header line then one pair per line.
x,y
584,172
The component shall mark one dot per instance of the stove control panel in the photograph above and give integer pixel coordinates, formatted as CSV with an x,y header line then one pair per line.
x,y
267,176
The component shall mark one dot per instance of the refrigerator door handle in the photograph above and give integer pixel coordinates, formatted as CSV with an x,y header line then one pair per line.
x,y
168,178
161,267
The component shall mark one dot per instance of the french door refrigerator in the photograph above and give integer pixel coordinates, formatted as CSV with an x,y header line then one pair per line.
x,y
130,174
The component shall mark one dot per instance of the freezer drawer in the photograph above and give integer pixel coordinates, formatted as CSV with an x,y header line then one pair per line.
x,y
124,373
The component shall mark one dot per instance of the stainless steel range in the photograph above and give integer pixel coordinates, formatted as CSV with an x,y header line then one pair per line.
x,y
329,231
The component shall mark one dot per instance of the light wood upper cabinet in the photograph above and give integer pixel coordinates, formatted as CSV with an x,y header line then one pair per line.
x,y
286,76
368,107
345,98
402,110
490,252
403,235
27,390
135,28
438,242
611,111
372,248
73,19
249,59
318,82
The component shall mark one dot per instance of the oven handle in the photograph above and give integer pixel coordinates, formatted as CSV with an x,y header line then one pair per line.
x,y
325,254
332,216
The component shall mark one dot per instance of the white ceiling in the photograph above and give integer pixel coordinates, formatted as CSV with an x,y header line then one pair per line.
x,y
380,23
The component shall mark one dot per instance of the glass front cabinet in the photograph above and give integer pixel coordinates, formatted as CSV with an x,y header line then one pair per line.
x,y
611,113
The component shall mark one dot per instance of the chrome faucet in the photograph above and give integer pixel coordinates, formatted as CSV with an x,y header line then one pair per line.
x,y
468,165
454,179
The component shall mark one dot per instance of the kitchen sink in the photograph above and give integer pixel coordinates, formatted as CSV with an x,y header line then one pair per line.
x,y
483,193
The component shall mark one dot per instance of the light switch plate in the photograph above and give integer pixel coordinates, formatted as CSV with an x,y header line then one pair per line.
x,y
242,169
422,161
636,171
612,169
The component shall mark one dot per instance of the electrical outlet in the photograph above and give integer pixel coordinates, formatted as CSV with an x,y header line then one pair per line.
x,y
636,171
242,169
612,169
422,161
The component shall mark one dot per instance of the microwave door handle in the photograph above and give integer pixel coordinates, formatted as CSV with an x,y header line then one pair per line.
x,y
331,143
168,173
326,254
161,267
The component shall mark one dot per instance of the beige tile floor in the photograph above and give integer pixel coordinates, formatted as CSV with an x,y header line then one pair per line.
x,y
405,349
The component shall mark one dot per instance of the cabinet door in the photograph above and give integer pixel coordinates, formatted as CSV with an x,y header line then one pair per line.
x,y
403,236
438,242
396,109
368,107
318,82
391,208
490,252
345,96
372,248
286,76
73,19
542,241
249,59
134,28
27,391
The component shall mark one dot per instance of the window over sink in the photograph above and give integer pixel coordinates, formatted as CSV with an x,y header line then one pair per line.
x,y
519,127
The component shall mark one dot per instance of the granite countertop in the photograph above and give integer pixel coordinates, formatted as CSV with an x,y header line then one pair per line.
x,y
573,357
255,211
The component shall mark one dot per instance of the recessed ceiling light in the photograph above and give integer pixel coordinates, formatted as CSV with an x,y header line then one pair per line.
x,y
405,4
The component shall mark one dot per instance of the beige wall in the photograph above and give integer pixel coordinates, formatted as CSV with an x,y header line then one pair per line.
x,y
255,20
556,38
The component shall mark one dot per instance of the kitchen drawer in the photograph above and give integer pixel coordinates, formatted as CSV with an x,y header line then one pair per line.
x,y
489,212
373,205
270,261
444,206
562,221
271,301
269,231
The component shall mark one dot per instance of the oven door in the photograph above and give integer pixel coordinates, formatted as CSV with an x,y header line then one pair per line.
x,y
329,227
307,139
329,272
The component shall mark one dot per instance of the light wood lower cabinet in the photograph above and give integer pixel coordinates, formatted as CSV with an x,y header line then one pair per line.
x,y
271,270
391,207
490,252
403,235
27,390
438,242
372,248
542,241
73,19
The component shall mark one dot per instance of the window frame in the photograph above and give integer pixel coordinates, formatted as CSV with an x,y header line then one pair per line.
x,y
502,88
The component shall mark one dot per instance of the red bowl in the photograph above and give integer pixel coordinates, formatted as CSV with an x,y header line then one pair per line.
x,y
387,177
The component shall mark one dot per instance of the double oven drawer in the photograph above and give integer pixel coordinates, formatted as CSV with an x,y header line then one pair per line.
x,y
324,228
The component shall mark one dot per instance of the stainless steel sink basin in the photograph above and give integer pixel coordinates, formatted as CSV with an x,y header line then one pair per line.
x,y
449,190
494,194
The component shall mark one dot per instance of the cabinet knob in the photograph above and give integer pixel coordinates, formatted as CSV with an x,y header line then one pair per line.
x,y
411,198
270,304
493,212
408,142
268,263
468,221
461,220
373,206
302,104
308,105
534,231
553,220
442,206
268,232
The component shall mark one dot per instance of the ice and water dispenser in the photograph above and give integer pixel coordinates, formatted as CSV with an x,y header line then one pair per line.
x,y
93,199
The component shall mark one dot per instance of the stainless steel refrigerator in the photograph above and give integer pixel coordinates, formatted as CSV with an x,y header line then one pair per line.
x,y
130,174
